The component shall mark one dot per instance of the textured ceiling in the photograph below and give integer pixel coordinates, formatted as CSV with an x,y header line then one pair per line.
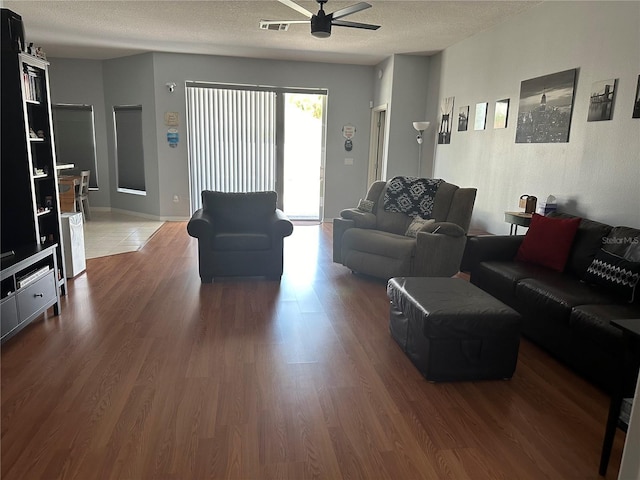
x,y
107,29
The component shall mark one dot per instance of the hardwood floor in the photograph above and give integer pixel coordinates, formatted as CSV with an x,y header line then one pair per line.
x,y
148,374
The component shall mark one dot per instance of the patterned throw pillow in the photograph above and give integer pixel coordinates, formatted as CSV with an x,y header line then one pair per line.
x,y
614,273
417,225
365,205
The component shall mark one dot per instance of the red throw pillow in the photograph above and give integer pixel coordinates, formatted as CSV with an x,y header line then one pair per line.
x,y
548,241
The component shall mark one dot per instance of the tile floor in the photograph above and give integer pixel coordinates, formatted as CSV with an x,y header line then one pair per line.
x,y
110,233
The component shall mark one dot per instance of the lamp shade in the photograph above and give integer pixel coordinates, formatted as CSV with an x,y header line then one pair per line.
x,y
421,126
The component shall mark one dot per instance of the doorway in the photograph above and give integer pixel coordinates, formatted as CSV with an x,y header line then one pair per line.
x,y
378,147
304,139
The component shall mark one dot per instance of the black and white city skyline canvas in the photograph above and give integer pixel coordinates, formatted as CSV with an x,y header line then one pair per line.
x,y
601,100
546,105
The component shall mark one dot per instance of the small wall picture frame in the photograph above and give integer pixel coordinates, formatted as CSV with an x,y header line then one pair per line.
x,y
463,118
636,103
480,121
501,114
603,94
446,119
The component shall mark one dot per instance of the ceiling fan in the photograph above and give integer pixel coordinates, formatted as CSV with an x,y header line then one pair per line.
x,y
321,22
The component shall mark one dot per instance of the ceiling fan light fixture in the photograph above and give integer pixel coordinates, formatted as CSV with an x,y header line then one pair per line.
x,y
321,32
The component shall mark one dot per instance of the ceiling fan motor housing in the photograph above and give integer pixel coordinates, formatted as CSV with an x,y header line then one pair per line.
x,y
321,24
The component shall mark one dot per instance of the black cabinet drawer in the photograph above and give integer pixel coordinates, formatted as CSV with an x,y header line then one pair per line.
x,y
34,298
8,315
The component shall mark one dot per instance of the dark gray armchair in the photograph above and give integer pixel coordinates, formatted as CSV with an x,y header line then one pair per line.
x,y
239,234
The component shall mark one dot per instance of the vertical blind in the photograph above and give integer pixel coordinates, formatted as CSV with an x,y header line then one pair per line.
x,y
74,133
129,148
232,140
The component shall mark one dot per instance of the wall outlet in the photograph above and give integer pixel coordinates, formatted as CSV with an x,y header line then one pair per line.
x,y
176,199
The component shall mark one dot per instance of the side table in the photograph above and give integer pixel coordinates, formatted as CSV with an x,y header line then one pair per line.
x,y
516,219
628,370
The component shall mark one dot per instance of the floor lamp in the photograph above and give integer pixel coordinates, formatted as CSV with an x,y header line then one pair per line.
x,y
420,127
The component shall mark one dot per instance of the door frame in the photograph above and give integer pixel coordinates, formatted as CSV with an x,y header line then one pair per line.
x,y
378,144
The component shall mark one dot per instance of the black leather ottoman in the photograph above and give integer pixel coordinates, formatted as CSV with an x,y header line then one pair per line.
x,y
452,330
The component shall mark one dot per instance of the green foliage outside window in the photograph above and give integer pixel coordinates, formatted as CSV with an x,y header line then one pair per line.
x,y
308,103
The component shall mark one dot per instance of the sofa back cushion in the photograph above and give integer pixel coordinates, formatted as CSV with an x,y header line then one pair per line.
x,y
242,212
586,244
392,222
398,223
442,202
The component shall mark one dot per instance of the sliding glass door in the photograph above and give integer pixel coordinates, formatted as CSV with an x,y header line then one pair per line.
x,y
244,139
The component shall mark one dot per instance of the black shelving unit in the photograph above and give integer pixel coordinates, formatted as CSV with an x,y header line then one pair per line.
x,y
30,200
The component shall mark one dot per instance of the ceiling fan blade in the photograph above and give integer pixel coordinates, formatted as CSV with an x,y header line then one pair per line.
x,y
349,10
279,22
296,7
342,23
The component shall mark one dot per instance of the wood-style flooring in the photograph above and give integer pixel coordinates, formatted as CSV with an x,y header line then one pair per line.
x,y
148,374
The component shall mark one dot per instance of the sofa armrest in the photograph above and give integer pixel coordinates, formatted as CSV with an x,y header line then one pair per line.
x,y
444,228
438,254
340,225
360,219
280,224
200,225
483,248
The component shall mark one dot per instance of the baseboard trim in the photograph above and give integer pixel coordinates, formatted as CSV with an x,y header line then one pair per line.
x,y
147,216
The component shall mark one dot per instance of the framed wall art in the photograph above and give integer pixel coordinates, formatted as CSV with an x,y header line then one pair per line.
x,y
501,114
545,108
636,104
480,120
601,100
446,118
463,118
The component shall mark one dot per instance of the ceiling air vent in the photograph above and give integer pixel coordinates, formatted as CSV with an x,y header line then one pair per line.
x,y
282,27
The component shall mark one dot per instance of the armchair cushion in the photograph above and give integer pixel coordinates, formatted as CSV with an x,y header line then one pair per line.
x,y
241,241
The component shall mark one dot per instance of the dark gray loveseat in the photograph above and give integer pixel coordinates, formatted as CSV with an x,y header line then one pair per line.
x,y
562,313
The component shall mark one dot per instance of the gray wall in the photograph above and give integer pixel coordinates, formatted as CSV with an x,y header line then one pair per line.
x,y
403,89
350,91
129,81
408,104
141,79
597,173
80,82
